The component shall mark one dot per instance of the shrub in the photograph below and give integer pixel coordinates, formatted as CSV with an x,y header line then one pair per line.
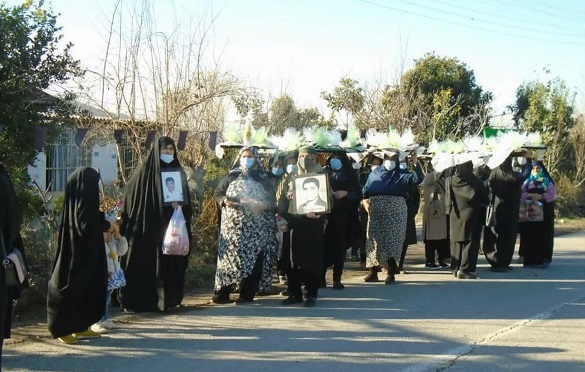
x,y
570,202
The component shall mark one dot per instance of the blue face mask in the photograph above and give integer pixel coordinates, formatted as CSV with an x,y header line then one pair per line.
x,y
167,158
246,163
277,171
335,164
403,166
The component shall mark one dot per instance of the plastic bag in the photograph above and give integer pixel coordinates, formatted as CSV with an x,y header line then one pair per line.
x,y
176,241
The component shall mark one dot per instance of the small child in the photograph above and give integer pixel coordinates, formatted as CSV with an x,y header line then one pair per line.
x,y
116,246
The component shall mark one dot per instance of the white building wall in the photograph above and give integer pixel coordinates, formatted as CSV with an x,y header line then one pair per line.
x,y
105,160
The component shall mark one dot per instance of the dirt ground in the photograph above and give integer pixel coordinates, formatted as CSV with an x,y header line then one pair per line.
x,y
32,325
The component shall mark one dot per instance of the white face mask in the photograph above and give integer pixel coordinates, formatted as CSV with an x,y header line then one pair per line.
x,y
167,158
389,164
521,160
291,168
374,167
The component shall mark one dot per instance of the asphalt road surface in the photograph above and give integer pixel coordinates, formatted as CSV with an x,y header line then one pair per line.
x,y
525,320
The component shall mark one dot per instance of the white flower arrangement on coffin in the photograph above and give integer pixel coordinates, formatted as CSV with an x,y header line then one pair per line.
x,y
290,140
353,139
233,137
502,145
321,137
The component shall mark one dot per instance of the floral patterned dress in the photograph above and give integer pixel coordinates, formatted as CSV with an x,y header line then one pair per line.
x,y
245,234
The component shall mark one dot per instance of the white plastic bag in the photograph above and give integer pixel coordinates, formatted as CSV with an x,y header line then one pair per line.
x,y
176,241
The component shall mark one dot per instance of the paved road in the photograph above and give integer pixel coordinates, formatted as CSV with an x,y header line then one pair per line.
x,y
527,319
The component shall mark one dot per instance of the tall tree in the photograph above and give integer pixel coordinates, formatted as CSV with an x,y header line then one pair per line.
x,y
547,108
347,101
441,98
33,56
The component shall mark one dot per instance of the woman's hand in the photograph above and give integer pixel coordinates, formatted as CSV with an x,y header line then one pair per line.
x,y
176,205
313,215
366,205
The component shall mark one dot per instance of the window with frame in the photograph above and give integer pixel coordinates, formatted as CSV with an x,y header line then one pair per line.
x,y
62,159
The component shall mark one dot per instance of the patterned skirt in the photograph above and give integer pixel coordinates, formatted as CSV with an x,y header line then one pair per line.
x,y
386,229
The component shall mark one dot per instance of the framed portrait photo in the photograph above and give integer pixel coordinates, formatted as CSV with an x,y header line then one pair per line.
x,y
174,186
311,193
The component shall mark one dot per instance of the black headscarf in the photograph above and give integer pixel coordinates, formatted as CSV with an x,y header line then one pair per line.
x,y
77,288
153,281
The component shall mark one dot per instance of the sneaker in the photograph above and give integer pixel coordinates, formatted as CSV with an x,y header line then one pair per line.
x,y
70,339
98,328
431,266
444,265
310,302
338,285
88,333
462,275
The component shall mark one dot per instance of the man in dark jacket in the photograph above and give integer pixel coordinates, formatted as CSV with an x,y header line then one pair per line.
x,y
467,195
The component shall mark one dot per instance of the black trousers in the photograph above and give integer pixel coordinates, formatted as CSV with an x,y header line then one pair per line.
x,y
337,257
549,230
297,277
464,256
441,247
283,260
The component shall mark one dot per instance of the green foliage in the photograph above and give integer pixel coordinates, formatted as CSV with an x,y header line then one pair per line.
x,y
547,108
570,201
348,97
31,59
440,99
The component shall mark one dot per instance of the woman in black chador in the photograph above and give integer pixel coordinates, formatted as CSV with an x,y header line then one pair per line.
x,y
499,241
78,283
10,223
466,196
154,281
346,194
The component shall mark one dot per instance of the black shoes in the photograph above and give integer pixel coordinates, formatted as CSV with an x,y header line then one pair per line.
x,y
323,283
372,275
243,301
221,298
338,285
431,266
291,300
390,278
310,302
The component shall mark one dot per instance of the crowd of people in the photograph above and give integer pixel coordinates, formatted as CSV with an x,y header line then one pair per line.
x,y
301,211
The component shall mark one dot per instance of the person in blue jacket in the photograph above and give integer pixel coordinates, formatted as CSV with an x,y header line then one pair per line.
x,y
385,194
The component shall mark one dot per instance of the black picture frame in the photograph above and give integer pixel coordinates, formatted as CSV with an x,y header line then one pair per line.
x,y
313,186
180,190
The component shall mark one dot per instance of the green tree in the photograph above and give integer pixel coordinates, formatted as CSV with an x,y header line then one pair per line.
x,y
439,98
347,101
547,108
32,58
